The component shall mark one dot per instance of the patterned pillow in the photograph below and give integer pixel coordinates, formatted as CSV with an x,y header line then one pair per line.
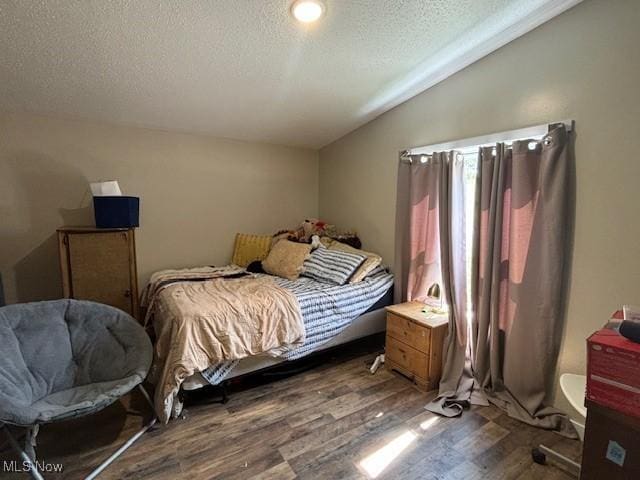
x,y
286,259
249,248
332,266
373,260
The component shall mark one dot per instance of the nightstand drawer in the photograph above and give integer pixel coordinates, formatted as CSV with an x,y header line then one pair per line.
x,y
406,357
408,332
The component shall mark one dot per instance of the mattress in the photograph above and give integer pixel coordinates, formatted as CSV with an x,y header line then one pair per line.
x,y
327,310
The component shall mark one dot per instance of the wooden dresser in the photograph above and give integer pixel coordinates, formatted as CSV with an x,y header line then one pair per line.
x,y
414,343
99,264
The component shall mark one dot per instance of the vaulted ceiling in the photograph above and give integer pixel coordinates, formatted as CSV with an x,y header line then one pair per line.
x,y
243,68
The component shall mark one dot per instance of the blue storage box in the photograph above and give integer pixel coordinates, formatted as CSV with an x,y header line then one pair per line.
x,y
116,212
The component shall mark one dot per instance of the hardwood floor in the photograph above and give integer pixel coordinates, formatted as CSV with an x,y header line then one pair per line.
x,y
336,421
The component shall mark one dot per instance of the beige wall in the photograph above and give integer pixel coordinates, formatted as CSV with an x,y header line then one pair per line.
x,y
583,65
196,193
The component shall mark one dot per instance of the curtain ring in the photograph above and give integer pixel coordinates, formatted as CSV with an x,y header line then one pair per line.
x,y
459,157
547,140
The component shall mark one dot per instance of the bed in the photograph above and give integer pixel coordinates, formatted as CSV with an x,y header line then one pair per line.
x,y
331,314
373,296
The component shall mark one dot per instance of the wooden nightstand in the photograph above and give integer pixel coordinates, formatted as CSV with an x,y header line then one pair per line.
x,y
414,343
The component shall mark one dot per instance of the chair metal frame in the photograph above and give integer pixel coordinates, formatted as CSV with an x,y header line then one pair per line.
x,y
32,462
540,453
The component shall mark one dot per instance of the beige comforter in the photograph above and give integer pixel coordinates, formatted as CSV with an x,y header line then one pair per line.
x,y
199,324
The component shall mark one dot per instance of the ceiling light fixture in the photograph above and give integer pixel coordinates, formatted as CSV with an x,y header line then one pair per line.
x,y
307,11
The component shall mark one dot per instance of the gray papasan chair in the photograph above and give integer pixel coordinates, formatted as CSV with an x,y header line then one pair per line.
x,y
67,358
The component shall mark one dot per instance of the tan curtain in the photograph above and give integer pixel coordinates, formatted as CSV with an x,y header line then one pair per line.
x,y
431,247
518,257
417,254
456,384
523,248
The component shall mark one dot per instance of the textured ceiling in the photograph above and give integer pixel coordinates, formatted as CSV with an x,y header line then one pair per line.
x,y
233,68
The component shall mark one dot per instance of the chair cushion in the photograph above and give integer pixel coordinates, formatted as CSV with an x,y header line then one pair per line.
x,y
82,400
67,356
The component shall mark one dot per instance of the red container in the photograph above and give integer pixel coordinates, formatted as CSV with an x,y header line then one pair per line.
x,y
613,371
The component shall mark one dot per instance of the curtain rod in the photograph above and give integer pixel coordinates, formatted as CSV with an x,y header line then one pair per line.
x,y
508,136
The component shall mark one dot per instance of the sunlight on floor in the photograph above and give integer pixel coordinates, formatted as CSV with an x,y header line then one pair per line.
x,y
375,463
429,423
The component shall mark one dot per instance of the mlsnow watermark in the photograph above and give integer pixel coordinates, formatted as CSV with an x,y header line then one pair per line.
x,y
44,467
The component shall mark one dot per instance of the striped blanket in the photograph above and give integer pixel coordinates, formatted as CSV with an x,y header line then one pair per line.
x,y
326,311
